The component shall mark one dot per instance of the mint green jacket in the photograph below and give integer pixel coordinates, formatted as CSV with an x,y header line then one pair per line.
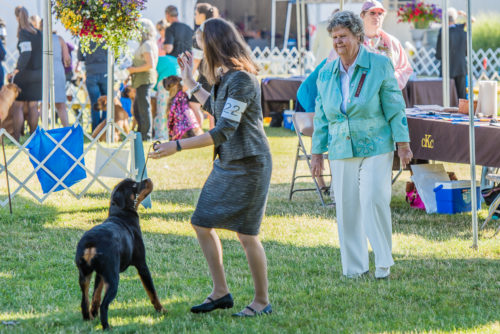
x,y
374,120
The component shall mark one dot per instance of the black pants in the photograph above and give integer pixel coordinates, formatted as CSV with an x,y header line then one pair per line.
x,y
460,84
142,111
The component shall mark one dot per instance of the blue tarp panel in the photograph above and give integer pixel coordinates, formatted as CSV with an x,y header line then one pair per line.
x,y
59,163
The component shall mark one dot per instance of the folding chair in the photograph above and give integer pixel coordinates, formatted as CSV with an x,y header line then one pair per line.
x,y
303,123
493,175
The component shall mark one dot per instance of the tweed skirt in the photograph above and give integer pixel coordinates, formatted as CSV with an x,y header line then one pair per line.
x,y
234,196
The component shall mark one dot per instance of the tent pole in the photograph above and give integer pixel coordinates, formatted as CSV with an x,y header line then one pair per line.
x,y
299,34
472,140
51,71
303,21
45,68
445,55
273,24
110,107
287,24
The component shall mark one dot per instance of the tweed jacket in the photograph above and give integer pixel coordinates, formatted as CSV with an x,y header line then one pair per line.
x,y
236,106
375,113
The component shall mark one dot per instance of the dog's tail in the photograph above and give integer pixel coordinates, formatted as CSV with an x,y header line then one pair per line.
x,y
85,257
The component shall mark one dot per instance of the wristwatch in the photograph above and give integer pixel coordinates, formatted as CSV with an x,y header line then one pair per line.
x,y
179,147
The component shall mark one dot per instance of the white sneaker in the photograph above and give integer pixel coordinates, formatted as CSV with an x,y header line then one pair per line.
x,y
382,272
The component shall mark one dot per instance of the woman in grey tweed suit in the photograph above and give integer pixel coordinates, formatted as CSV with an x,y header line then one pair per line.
x,y
235,194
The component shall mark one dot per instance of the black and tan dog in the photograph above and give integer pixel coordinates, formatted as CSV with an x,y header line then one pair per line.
x,y
113,246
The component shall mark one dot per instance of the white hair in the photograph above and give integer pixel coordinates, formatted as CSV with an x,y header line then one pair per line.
x,y
148,30
452,14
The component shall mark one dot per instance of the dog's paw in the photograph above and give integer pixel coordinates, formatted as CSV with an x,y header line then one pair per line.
x,y
161,310
94,313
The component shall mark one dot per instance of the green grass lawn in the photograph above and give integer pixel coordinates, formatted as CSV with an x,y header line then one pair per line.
x,y
438,284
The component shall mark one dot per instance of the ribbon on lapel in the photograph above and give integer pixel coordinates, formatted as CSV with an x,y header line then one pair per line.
x,y
360,85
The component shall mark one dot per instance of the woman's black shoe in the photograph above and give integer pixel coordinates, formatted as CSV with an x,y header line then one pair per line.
x,y
266,310
223,302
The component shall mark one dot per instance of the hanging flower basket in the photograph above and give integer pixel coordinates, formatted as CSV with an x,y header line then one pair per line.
x,y
109,22
419,13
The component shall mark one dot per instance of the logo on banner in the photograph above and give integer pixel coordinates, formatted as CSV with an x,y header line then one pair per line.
x,y
427,141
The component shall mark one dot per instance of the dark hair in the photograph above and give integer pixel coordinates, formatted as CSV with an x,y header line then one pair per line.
x,y
224,45
172,11
207,9
172,80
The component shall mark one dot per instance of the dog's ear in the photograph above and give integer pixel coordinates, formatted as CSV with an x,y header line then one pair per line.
x,y
118,199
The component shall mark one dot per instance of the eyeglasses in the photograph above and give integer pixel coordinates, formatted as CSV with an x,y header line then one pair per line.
x,y
376,13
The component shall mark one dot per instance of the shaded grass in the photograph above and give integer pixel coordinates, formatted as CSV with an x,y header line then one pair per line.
x,y
439,284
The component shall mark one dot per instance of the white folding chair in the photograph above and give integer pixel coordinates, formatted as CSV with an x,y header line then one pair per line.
x,y
493,175
303,123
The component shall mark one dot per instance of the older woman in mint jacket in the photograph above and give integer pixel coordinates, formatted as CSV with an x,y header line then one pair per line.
x,y
361,107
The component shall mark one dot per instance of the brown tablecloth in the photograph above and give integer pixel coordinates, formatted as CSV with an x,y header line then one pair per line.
x,y
428,91
443,141
278,90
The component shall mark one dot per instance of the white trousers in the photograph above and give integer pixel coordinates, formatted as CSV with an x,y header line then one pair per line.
x,y
362,188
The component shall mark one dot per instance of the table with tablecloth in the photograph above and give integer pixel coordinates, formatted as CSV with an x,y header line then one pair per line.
x,y
426,91
277,92
444,140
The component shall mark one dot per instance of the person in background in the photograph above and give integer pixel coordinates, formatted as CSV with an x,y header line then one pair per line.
x,y
160,96
96,67
61,59
458,52
235,194
258,40
3,52
68,68
203,12
360,104
160,28
27,74
379,41
143,71
36,22
178,36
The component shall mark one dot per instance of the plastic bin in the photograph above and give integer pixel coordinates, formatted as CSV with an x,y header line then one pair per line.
x,y
455,196
287,119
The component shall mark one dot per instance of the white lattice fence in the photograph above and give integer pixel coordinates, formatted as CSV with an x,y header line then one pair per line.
x,y
22,176
424,63
284,61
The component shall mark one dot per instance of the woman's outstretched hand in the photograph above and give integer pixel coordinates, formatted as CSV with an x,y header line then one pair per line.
x,y
163,150
185,61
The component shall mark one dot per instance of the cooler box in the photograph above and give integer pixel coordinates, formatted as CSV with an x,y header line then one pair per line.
x,y
455,196
287,119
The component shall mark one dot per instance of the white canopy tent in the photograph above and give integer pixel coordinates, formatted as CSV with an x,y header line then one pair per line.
x,y
301,31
